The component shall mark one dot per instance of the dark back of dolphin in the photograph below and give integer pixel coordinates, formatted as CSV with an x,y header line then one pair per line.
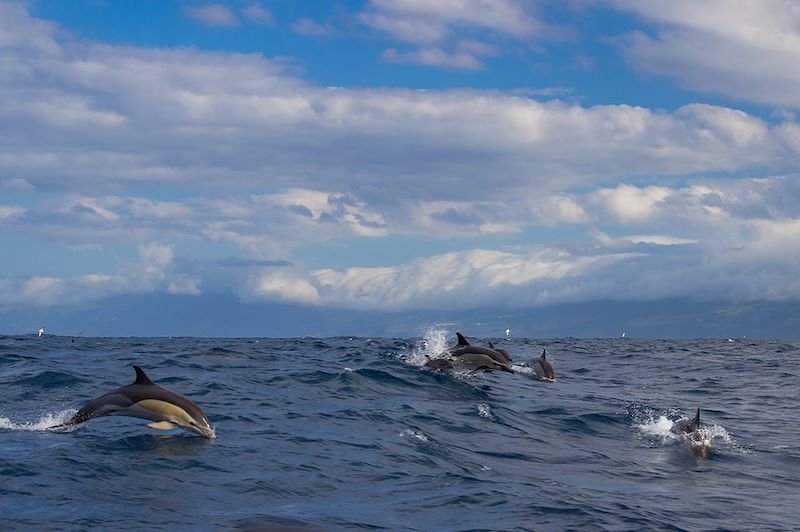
x,y
687,425
501,351
462,342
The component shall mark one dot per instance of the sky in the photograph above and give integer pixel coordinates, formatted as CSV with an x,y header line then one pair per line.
x,y
399,155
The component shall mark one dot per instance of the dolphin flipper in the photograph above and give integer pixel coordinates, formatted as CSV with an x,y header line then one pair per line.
x,y
162,425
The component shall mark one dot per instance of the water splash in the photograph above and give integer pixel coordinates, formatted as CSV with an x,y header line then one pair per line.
x,y
42,424
413,434
701,441
435,339
485,411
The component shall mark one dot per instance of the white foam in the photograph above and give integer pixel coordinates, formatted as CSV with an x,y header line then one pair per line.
x,y
525,370
41,424
413,434
658,427
485,411
704,438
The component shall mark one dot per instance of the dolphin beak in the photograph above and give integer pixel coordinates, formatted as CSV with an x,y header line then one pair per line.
x,y
203,429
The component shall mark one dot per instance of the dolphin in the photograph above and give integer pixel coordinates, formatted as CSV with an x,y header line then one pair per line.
x,y
477,350
686,426
690,430
147,400
501,351
480,362
541,366
437,365
462,342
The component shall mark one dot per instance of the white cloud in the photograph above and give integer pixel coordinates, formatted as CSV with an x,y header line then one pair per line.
x,y
452,33
632,204
258,14
285,285
7,211
433,57
153,272
747,50
212,15
307,26
189,118
185,284
399,17
16,184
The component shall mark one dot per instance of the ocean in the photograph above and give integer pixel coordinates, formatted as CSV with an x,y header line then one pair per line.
x,y
352,433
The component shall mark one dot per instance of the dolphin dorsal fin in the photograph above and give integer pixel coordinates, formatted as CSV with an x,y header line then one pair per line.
x,y
544,353
697,418
491,345
141,376
461,339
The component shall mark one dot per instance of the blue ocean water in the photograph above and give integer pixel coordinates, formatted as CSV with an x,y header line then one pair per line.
x,y
352,433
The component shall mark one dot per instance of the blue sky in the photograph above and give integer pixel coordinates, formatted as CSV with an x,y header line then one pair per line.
x,y
399,154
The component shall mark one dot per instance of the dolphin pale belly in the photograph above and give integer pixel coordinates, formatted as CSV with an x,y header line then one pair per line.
x,y
146,400
480,362
476,350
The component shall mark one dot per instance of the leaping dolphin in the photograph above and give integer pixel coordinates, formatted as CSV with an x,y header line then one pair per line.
x,y
147,400
541,366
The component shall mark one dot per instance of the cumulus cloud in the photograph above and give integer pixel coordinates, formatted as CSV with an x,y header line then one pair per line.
x,y
258,14
307,26
153,271
750,49
185,117
448,34
16,184
433,57
213,15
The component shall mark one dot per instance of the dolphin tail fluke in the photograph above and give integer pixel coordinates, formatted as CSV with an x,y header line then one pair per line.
x,y
461,339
